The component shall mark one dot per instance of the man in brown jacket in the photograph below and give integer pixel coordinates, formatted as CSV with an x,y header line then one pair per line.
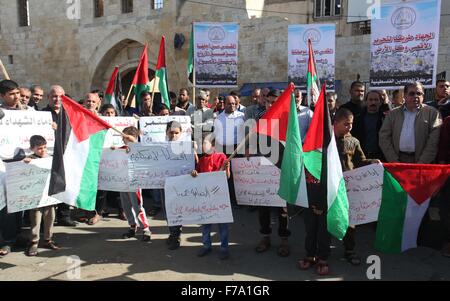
x,y
410,133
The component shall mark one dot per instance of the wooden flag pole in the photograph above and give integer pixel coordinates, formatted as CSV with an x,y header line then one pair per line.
x,y
129,93
153,93
5,73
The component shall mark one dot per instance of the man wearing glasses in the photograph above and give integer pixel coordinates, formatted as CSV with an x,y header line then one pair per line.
x,y
410,133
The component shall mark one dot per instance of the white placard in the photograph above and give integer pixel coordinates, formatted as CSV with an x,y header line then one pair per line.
x,y
256,182
198,201
113,171
149,165
17,127
364,187
2,185
323,38
404,44
153,128
216,54
113,138
27,185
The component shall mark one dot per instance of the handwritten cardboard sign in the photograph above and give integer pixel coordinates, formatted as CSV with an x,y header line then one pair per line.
x,y
2,185
201,200
364,187
27,185
150,165
153,128
256,182
113,138
16,128
113,171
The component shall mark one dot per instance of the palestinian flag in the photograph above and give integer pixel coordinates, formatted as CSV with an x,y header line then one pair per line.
x,y
113,93
140,82
292,179
312,85
161,73
78,184
407,189
190,63
322,161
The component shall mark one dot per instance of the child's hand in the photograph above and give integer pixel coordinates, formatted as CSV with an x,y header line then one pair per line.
x,y
27,160
127,149
226,165
195,146
376,161
54,126
194,173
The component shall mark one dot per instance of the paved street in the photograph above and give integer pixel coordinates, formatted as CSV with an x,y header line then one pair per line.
x,y
105,256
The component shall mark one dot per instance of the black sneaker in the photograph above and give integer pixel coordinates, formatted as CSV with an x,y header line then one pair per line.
x,y
174,242
147,236
131,233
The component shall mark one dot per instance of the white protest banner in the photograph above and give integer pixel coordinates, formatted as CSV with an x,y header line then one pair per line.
x,y
256,182
404,44
113,138
2,185
113,171
27,185
364,186
16,128
216,54
153,129
198,201
150,165
323,37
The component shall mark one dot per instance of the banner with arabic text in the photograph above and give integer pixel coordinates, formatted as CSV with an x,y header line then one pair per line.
x,y
216,54
404,44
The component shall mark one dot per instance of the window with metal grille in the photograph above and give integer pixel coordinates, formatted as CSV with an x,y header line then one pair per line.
x,y
98,8
327,8
157,4
24,13
127,6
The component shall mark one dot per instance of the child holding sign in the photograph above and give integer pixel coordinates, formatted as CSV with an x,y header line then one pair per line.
x,y
132,201
38,146
210,162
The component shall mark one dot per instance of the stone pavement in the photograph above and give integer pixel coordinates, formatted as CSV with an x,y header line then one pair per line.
x,y
105,256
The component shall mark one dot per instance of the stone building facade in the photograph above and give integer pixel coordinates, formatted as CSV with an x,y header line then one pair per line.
x,y
66,44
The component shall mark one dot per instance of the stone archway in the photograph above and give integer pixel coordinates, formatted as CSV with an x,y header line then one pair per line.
x,y
121,48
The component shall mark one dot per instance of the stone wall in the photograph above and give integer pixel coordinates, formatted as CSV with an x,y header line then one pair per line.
x,y
80,54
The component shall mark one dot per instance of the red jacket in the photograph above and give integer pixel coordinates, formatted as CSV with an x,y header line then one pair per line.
x,y
211,163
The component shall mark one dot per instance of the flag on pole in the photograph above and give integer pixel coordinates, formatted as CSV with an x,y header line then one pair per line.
x,y
312,85
140,82
407,189
190,64
280,122
78,184
321,159
113,93
292,179
161,73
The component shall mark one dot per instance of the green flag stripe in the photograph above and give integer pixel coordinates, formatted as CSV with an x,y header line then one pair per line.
x,y
161,74
313,163
138,89
391,217
291,167
89,181
337,216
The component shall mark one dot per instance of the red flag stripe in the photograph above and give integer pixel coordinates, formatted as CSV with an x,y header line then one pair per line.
x,y
162,54
110,89
278,113
141,76
84,123
314,137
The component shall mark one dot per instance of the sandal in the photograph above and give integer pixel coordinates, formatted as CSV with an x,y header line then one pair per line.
x,y
263,245
283,250
32,250
306,263
5,250
322,268
94,220
352,258
49,244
